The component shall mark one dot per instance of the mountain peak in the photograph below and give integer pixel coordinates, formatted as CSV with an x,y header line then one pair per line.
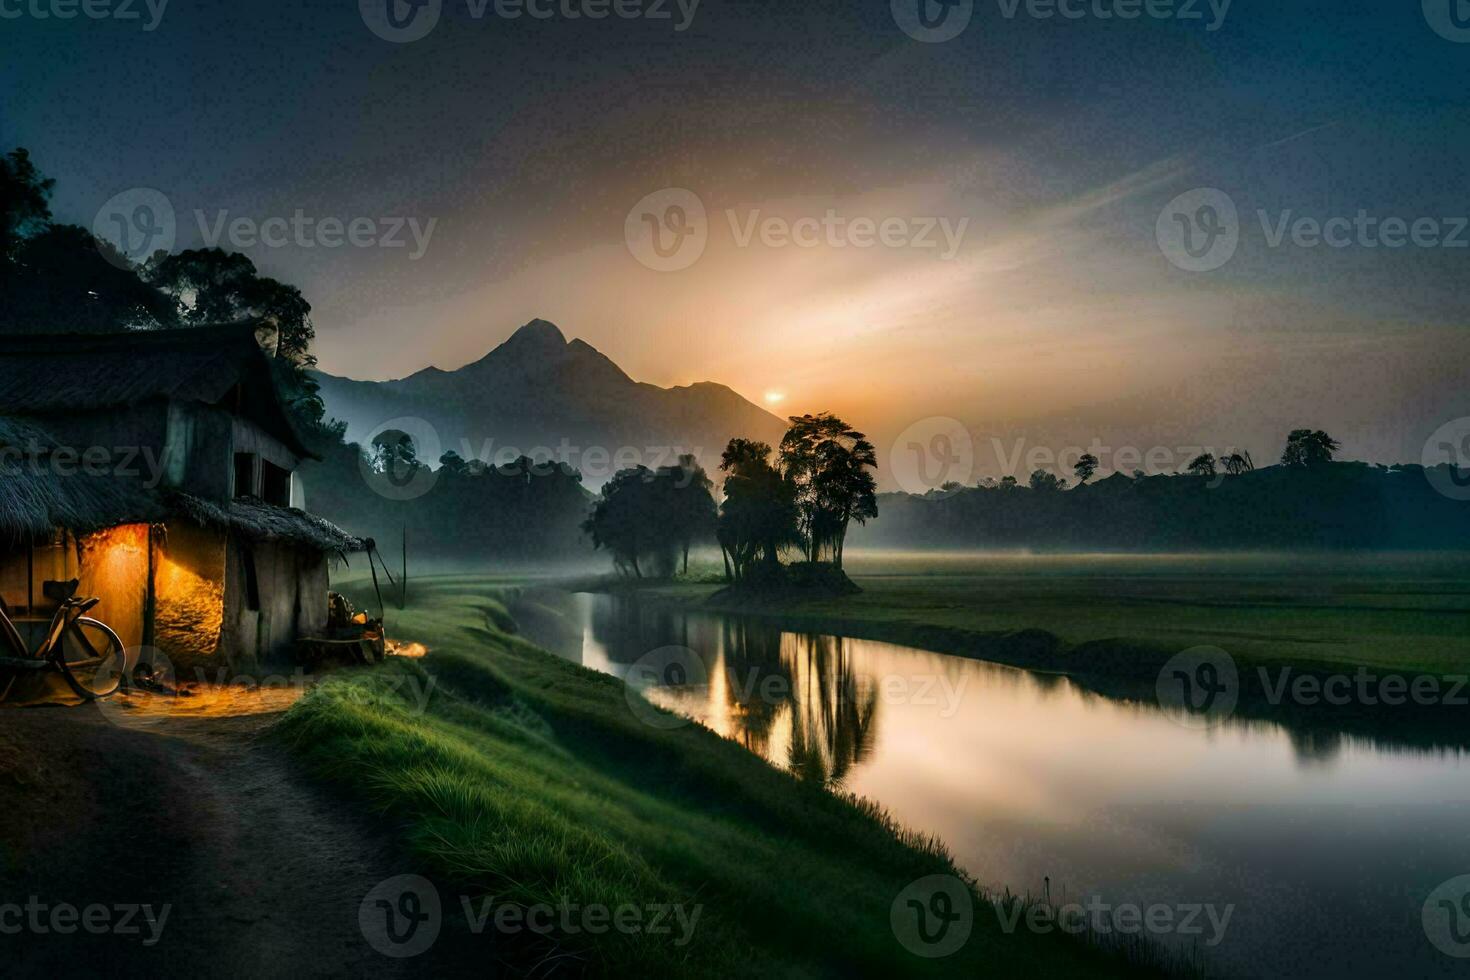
x,y
540,332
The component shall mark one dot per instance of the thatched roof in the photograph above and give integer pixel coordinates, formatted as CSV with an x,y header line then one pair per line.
x,y
266,522
65,374
36,499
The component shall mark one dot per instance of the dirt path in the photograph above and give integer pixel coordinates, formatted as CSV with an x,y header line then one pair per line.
x,y
262,872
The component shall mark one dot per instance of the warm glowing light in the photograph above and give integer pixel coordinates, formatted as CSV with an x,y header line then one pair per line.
x,y
397,648
775,397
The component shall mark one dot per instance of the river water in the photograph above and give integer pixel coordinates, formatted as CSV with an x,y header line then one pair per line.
x,y
1324,848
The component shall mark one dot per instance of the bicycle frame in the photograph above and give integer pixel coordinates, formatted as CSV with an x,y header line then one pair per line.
x,y
27,659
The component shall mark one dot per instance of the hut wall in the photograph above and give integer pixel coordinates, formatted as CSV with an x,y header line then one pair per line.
x,y
288,601
189,592
114,567
198,454
251,438
53,560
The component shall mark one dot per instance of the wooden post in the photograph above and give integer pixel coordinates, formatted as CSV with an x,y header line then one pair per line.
x,y
403,586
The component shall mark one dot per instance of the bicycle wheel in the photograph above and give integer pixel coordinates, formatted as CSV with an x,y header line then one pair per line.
x,y
92,658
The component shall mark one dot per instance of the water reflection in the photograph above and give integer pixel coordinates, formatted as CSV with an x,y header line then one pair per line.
x,y
1325,841
797,700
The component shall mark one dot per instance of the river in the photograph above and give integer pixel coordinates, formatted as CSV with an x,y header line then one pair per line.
x,y
1323,849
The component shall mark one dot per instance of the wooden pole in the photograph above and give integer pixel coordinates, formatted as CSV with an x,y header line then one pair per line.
x,y
403,586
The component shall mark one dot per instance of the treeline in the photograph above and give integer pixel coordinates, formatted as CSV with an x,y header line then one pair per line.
x,y
1328,505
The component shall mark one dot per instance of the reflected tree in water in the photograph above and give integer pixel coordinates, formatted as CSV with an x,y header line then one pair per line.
x,y
834,716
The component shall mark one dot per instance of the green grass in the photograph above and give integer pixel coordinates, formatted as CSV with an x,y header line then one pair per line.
x,y
1403,613
530,779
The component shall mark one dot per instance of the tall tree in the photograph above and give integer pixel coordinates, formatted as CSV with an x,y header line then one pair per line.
x,y
210,285
1086,467
1308,447
828,462
24,200
759,516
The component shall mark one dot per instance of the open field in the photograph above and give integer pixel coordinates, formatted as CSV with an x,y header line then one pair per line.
x,y
530,780
1404,612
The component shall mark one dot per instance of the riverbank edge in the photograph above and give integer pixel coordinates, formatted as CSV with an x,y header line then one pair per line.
x,y
337,734
1123,668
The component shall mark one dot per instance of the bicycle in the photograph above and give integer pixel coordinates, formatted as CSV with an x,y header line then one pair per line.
x,y
85,651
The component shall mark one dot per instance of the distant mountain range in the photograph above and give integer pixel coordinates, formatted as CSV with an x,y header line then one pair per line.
x,y
539,395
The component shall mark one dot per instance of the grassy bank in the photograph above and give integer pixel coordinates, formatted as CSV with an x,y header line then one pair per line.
x,y
531,780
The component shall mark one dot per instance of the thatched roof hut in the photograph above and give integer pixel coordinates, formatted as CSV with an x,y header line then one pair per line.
x,y
157,467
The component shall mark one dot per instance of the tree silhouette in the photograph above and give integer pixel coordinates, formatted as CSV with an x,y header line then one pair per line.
x,y
759,515
1085,468
24,197
692,509
829,461
1237,463
1042,480
1203,465
1308,447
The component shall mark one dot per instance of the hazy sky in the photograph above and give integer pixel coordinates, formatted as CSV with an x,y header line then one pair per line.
x,y
1047,147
